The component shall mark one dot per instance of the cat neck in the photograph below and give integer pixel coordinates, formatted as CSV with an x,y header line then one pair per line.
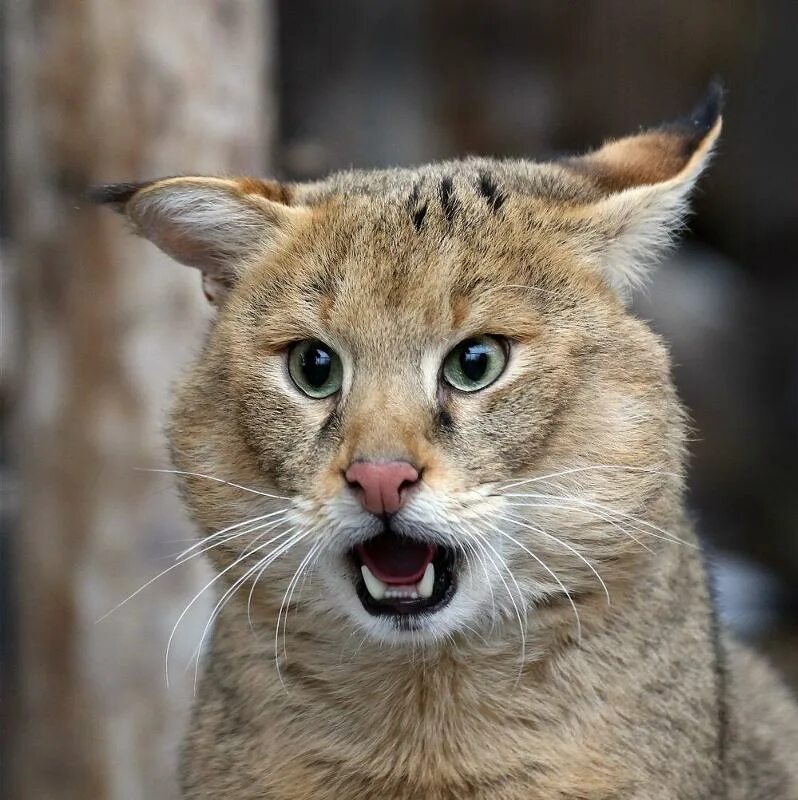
x,y
362,687
455,715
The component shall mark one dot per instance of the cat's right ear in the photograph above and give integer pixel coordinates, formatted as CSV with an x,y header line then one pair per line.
x,y
643,183
217,225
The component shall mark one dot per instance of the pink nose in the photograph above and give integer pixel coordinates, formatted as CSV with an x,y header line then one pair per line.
x,y
381,485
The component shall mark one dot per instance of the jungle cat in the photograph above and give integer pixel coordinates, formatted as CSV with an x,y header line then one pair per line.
x,y
439,467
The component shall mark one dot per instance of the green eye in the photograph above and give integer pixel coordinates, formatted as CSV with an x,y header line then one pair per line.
x,y
315,368
475,363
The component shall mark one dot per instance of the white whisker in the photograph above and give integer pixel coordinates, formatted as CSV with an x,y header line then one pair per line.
x,y
488,581
229,528
667,535
202,591
168,570
217,480
286,602
267,559
568,547
483,542
513,483
550,572
590,511
258,567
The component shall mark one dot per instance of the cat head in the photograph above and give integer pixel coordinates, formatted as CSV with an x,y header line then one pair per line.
x,y
423,388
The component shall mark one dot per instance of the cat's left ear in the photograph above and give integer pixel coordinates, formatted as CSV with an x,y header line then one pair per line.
x,y
644,182
218,225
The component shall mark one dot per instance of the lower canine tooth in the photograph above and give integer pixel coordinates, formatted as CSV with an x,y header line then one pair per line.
x,y
426,584
375,586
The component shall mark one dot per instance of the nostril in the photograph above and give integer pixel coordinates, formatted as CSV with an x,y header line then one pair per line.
x,y
352,483
356,487
410,482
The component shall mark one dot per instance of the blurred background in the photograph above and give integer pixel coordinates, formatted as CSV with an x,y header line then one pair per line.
x,y
96,325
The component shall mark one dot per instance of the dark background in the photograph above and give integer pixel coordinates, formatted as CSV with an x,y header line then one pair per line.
x,y
148,89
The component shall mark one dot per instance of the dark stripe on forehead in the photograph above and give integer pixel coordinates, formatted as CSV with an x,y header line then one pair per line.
x,y
412,201
415,208
491,192
418,217
448,200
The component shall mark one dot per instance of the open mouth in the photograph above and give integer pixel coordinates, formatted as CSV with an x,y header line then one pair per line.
x,y
399,575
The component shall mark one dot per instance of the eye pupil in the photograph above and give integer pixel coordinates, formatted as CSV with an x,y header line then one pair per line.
x,y
474,361
316,363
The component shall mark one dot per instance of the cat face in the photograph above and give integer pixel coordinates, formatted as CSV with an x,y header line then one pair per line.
x,y
423,390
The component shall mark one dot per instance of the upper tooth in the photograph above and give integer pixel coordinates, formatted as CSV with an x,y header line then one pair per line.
x,y
375,586
426,584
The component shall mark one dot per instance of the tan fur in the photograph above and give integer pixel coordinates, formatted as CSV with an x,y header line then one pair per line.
x,y
392,269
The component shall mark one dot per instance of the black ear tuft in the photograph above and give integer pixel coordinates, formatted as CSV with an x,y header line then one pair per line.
x,y
707,112
115,195
703,118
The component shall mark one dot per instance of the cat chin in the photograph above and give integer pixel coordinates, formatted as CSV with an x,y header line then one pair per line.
x,y
423,629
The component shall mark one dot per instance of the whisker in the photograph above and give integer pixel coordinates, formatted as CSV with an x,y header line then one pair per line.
x,y
488,581
360,646
483,542
592,512
263,527
531,289
213,478
591,503
474,631
571,549
344,645
223,531
228,593
550,572
307,577
204,588
164,572
614,523
513,483
258,577
289,593
260,565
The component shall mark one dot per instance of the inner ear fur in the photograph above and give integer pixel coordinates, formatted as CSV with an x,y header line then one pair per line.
x,y
216,225
643,184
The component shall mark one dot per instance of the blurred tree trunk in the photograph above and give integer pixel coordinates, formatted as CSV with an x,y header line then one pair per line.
x,y
99,92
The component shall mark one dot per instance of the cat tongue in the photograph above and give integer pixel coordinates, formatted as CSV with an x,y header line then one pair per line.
x,y
396,560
